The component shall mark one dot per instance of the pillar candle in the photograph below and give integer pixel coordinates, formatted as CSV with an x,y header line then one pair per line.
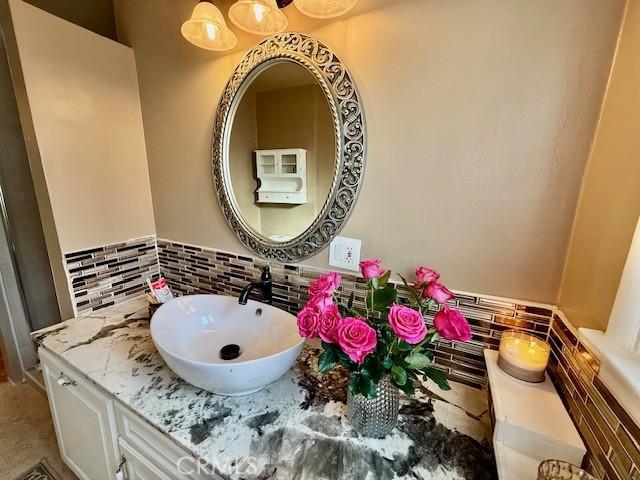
x,y
523,356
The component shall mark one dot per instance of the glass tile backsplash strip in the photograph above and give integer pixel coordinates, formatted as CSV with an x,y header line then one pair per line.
x,y
102,276
610,434
191,269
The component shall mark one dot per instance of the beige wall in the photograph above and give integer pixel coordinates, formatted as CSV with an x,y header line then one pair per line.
x,y
94,15
610,199
83,97
480,115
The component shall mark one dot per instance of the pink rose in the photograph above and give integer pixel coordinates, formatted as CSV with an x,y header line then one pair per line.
x,y
356,338
326,284
328,324
438,292
320,302
426,275
407,324
308,320
371,269
452,325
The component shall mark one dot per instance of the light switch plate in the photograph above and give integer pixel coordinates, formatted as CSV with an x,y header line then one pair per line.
x,y
345,253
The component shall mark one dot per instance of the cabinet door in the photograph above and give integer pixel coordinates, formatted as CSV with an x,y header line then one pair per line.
x,y
83,419
289,163
138,467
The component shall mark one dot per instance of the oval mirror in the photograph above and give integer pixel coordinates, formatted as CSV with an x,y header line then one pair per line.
x,y
288,149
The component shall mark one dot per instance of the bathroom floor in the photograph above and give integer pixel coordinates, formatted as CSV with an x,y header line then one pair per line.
x,y
27,434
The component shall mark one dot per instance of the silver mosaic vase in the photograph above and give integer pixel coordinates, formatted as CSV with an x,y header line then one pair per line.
x,y
375,417
559,470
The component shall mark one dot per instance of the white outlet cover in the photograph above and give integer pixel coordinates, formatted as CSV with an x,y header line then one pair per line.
x,y
345,253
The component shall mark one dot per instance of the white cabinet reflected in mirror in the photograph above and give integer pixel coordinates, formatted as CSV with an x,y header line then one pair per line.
x,y
282,151
289,147
282,176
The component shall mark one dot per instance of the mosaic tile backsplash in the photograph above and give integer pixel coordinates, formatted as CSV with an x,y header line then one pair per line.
x,y
105,275
192,269
100,277
610,434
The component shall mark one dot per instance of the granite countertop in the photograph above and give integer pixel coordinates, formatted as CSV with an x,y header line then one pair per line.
x,y
295,428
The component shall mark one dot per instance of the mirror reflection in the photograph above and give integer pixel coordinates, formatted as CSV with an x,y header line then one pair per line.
x,y
281,151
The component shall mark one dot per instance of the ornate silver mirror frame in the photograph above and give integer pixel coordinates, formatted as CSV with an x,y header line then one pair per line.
x,y
349,123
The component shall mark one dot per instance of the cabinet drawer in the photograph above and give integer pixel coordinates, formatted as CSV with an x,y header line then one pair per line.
x,y
158,449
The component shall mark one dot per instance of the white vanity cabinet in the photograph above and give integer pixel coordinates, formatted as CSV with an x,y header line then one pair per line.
x,y
283,175
83,418
99,439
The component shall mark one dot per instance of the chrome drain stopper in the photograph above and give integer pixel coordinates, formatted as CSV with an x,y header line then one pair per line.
x,y
230,352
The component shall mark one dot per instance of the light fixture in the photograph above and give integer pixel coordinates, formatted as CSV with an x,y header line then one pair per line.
x,y
207,29
260,17
324,8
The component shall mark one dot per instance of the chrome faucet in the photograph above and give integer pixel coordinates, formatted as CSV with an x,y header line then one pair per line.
x,y
264,285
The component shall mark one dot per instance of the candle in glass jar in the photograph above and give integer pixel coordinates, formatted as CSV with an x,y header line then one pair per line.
x,y
523,356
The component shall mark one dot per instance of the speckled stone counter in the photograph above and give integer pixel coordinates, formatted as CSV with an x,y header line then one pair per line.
x,y
296,428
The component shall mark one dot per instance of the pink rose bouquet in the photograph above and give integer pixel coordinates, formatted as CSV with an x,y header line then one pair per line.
x,y
385,335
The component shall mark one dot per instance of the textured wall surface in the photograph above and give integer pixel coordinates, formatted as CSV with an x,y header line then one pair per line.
x,y
82,92
94,15
610,199
480,117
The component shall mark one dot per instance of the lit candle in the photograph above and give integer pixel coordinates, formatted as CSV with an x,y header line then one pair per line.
x,y
523,356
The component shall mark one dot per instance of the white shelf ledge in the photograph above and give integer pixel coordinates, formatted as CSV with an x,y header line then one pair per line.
x,y
531,424
619,369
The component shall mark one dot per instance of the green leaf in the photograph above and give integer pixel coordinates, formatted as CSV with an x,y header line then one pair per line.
x,y
404,346
438,377
399,375
416,298
344,359
435,336
384,279
359,384
387,363
372,389
354,384
408,387
418,361
382,298
326,361
326,346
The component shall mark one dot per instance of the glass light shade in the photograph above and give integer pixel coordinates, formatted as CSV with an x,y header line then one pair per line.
x,y
260,17
324,8
207,29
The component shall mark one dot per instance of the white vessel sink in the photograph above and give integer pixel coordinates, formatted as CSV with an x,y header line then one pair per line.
x,y
190,333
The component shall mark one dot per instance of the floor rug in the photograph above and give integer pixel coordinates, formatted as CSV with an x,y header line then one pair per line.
x,y
41,471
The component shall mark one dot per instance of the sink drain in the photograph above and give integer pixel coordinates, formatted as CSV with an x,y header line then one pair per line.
x,y
230,352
